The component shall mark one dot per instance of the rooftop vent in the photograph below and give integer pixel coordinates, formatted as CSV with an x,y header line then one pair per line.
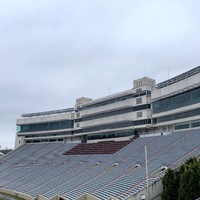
x,y
132,169
136,166
163,168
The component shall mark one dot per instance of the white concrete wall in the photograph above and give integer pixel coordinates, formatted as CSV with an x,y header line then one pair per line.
x,y
143,82
110,97
116,105
17,194
119,104
153,193
119,117
19,141
40,197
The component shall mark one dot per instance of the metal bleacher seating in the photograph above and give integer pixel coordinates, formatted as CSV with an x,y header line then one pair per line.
x,y
108,169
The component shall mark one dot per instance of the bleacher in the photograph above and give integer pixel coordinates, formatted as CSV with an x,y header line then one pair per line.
x,y
103,169
104,147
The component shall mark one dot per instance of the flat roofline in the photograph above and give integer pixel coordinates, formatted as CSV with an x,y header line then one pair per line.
x,y
179,77
177,92
53,112
108,97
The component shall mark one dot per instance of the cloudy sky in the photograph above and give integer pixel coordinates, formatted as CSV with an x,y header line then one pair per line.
x,y
54,51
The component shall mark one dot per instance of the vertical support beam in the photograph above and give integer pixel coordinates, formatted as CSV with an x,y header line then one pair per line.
x,y
147,175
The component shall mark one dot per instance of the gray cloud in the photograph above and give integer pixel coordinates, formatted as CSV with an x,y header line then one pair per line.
x,y
52,52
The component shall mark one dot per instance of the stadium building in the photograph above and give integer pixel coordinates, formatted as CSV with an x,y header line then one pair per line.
x,y
146,108
176,102
116,147
118,115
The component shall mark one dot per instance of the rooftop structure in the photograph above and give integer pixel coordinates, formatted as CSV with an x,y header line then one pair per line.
x,y
53,112
145,108
178,78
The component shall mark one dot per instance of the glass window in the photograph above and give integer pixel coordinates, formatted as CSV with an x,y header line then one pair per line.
x,y
182,115
116,125
178,101
195,124
47,126
181,126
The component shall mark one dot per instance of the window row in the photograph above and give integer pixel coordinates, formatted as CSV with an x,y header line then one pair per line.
x,y
177,116
46,134
114,125
187,125
46,126
113,113
118,99
178,101
113,134
47,140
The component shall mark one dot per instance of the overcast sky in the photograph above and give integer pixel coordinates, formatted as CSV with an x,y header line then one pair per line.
x,y
54,51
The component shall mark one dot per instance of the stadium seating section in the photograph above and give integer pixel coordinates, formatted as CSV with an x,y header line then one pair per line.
x,y
106,147
104,169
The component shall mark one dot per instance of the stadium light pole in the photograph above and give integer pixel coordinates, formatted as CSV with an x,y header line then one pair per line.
x,y
147,176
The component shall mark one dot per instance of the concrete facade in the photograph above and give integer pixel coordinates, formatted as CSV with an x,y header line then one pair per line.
x,y
122,114
183,86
